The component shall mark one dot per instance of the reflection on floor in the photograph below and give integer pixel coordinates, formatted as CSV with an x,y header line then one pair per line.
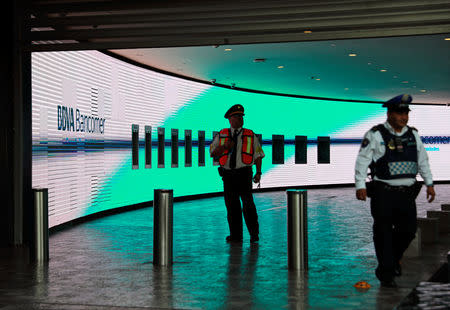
x,y
107,262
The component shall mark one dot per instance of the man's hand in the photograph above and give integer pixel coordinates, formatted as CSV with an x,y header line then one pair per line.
x,y
228,145
257,178
220,149
430,193
361,194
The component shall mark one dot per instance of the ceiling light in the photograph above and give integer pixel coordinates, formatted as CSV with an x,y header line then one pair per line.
x,y
317,79
228,49
423,90
383,70
346,88
280,67
447,39
352,54
369,63
307,31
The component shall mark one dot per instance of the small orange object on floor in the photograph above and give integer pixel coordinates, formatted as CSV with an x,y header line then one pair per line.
x,y
362,285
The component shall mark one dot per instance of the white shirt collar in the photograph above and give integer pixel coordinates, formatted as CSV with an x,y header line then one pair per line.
x,y
391,130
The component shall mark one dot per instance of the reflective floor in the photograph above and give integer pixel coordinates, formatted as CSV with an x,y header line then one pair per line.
x,y
107,263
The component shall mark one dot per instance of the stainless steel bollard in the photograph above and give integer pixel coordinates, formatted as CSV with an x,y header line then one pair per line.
x,y
40,246
163,227
297,229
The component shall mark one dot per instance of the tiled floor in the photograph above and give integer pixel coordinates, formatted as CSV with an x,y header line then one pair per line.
x,y
107,263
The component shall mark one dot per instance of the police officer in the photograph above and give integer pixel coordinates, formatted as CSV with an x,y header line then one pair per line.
x,y
237,149
395,154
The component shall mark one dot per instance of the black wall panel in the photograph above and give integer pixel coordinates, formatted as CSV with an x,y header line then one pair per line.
x,y
277,149
148,146
174,146
301,149
201,147
135,146
188,148
323,150
161,146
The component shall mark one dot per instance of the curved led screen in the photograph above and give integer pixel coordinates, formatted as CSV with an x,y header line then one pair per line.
x,y
90,111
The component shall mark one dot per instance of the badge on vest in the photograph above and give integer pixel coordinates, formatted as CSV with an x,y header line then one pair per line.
x,y
391,145
411,141
399,144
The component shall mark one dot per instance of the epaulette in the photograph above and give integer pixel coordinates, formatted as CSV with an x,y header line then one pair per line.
x,y
376,128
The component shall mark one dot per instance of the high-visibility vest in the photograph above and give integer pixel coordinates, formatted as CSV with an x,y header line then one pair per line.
x,y
247,145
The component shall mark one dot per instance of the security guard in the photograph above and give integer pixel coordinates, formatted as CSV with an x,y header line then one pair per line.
x,y
395,154
237,149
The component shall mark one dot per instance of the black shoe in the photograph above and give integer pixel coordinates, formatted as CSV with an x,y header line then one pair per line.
x,y
388,283
254,239
230,239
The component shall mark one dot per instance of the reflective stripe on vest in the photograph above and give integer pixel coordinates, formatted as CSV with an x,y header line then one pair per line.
x,y
224,136
247,146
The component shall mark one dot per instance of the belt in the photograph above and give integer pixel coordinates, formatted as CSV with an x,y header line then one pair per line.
x,y
237,171
399,188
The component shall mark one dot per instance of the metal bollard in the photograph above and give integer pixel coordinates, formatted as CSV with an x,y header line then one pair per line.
x,y
163,227
297,229
39,252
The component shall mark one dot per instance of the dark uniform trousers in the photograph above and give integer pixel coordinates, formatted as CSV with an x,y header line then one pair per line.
x,y
395,222
237,185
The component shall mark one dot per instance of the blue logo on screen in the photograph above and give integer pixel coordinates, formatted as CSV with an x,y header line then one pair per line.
x,y
67,121
435,140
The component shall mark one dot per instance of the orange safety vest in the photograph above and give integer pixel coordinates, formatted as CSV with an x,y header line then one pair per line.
x,y
247,145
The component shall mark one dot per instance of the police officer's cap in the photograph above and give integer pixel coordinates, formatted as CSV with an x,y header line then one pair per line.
x,y
236,109
399,103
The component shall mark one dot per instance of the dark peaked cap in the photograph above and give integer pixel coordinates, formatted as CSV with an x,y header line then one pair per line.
x,y
399,103
236,109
